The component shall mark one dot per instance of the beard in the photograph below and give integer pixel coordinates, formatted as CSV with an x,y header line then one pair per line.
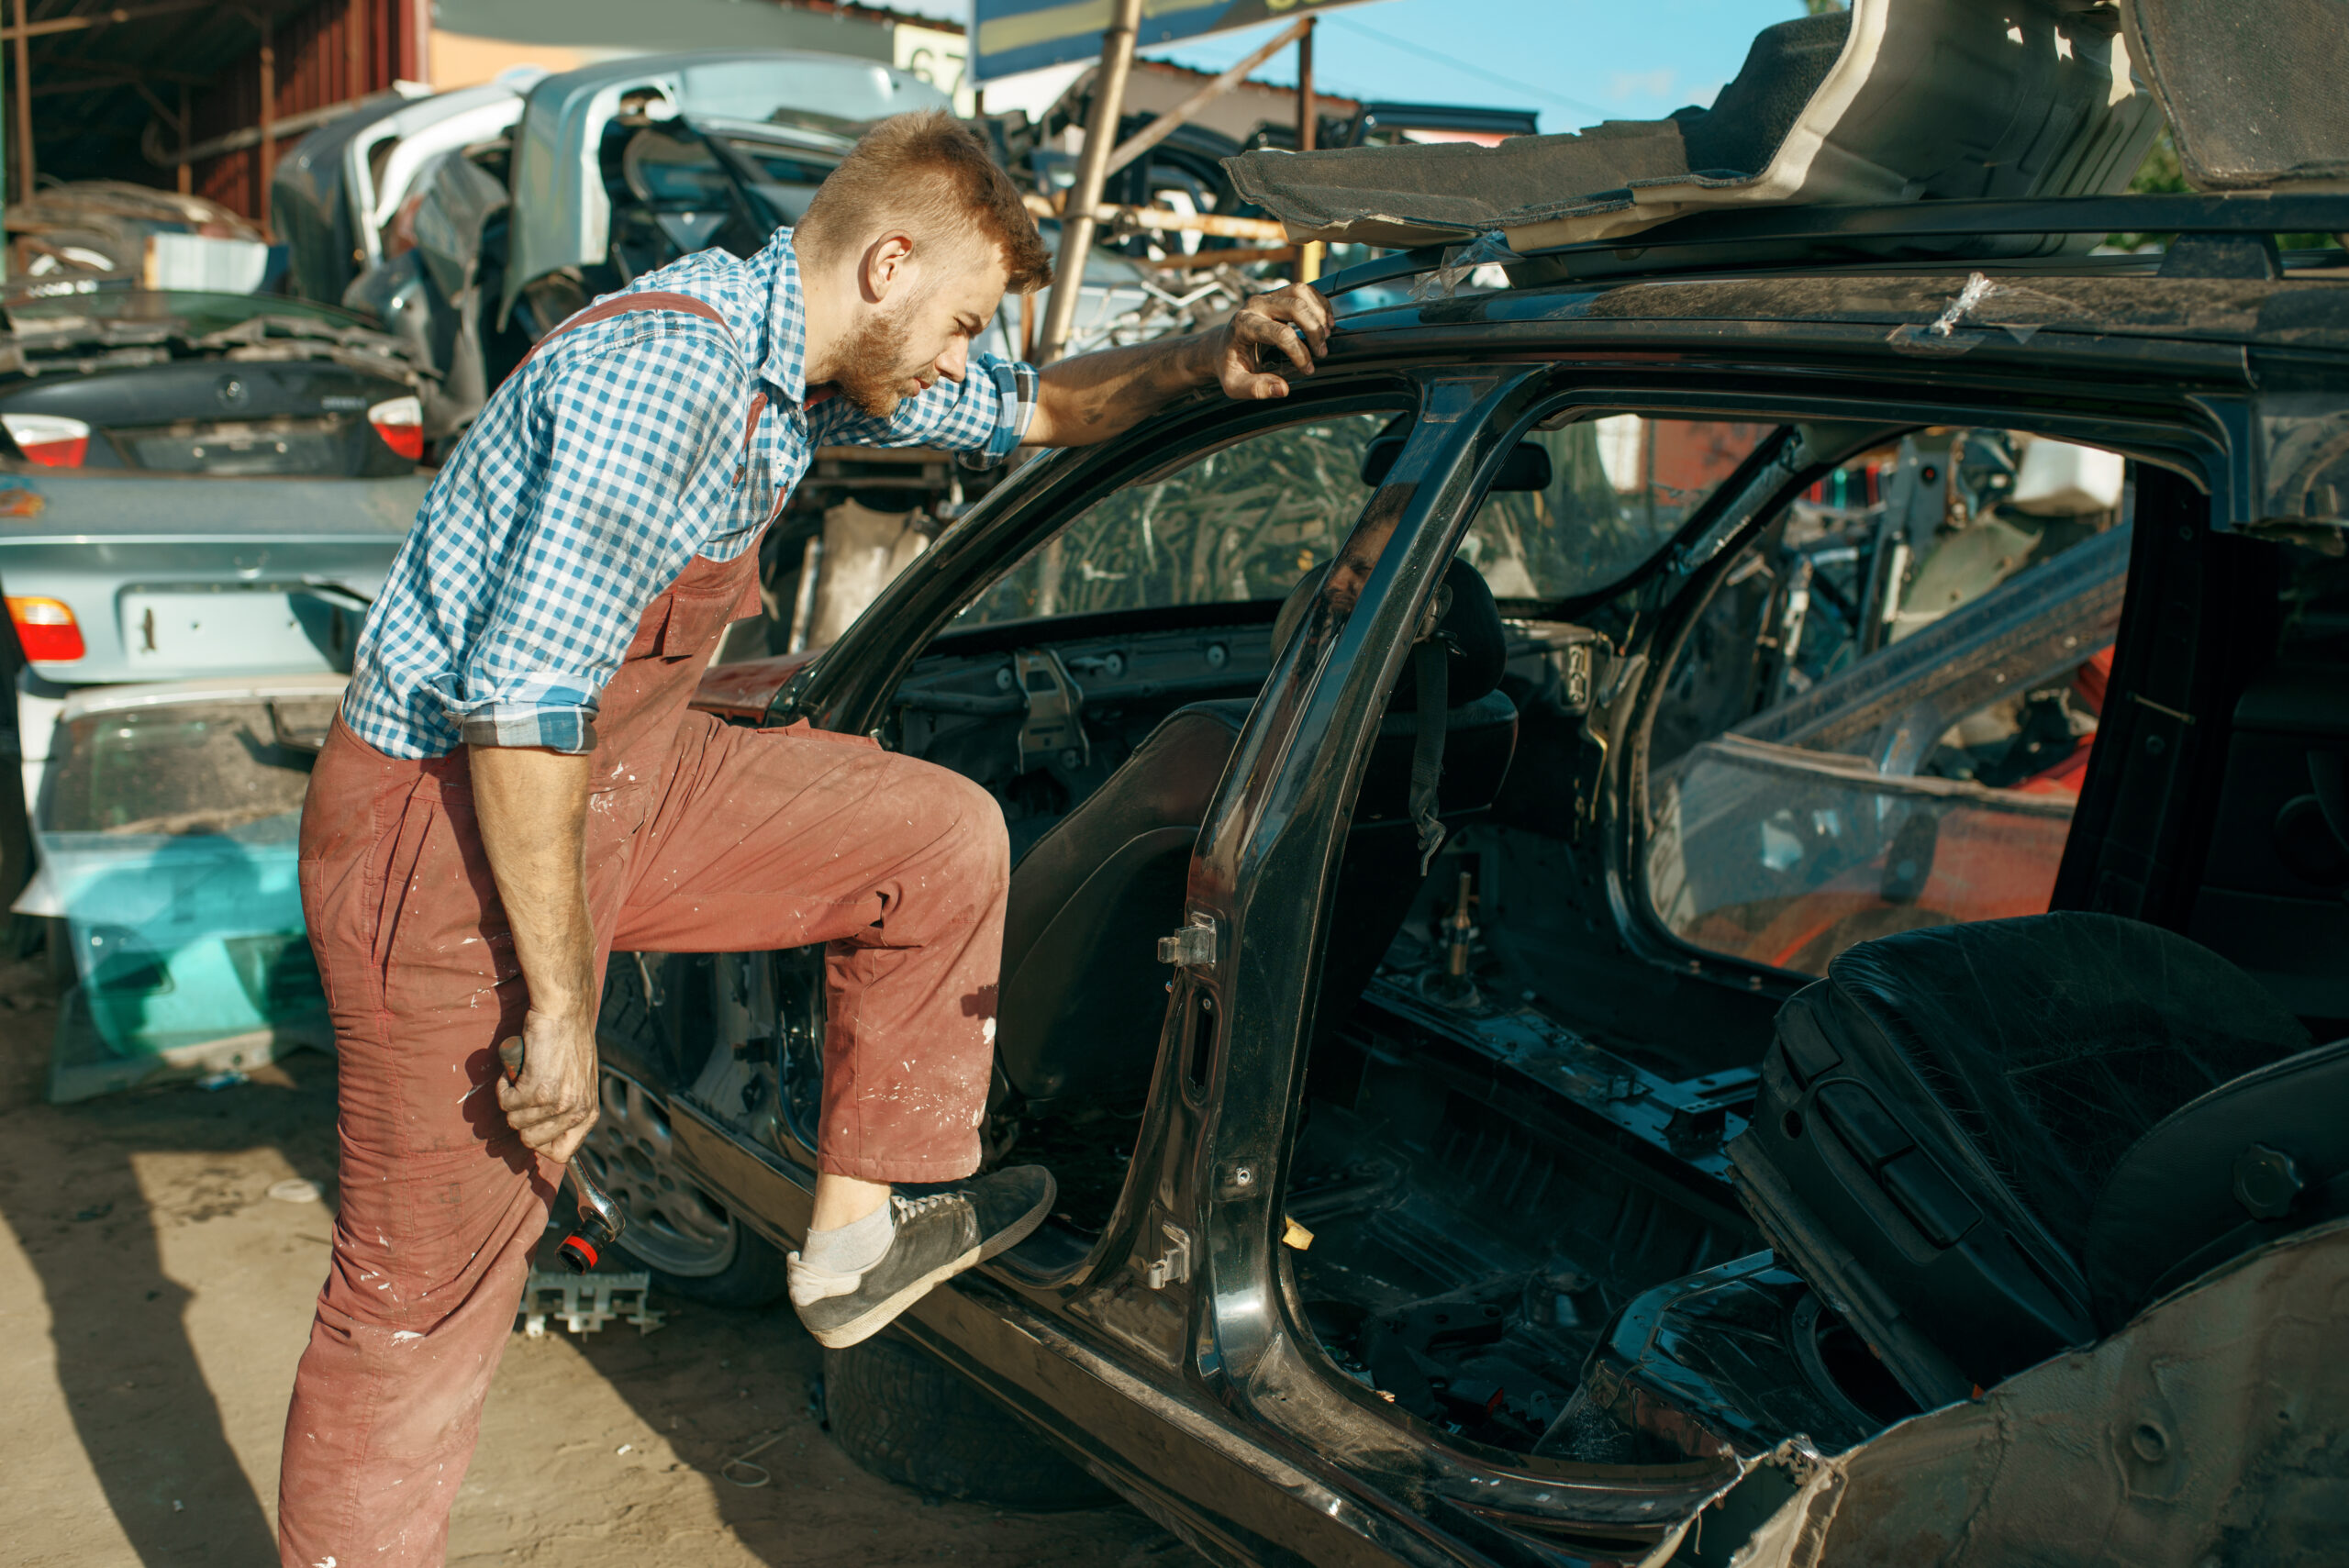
x,y
873,377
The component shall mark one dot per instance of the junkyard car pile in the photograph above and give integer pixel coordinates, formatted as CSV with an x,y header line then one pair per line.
x,y
1688,1133
203,492
1684,911
205,487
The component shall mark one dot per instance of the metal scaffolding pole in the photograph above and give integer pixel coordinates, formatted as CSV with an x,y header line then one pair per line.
x,y
1309,126
1092,172
24,109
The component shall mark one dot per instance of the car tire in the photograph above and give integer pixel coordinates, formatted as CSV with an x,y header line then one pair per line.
x,y
687,1240
906,1417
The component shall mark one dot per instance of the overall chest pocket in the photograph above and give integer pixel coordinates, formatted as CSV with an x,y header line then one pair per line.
x,y
687,620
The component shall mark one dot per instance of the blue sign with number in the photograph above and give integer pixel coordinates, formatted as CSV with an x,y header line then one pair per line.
x,y
1011,35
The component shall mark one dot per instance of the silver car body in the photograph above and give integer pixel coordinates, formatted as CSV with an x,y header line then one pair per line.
x,y
561,215
346,179
169,580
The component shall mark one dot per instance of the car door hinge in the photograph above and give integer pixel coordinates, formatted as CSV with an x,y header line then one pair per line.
x,y
1172,1266
1193,944
1053,730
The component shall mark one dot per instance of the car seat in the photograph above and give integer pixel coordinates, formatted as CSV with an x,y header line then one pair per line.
x,y
1984,1143
1091,897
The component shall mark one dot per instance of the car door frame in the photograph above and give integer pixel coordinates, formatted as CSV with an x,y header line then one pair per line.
x,y
1268,837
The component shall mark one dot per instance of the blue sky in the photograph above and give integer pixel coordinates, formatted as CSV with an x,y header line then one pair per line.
x,y
1576,61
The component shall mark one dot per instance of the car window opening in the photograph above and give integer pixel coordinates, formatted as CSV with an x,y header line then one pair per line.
x,y
1096,689
1882,718
1469,1254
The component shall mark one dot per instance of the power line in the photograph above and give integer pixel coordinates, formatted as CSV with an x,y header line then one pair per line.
x,y
1458,64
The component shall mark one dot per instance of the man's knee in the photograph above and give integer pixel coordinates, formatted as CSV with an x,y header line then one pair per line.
x,y
961,818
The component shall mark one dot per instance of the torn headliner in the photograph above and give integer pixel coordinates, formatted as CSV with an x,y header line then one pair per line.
x,y
1884,103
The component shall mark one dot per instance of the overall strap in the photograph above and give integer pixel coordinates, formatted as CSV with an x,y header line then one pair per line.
x,y
618,304
659,299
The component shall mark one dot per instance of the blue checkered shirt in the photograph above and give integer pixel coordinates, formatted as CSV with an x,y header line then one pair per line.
x,y
600,468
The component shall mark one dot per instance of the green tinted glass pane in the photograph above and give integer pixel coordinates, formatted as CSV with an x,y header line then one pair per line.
x,y
1619,488
1243,522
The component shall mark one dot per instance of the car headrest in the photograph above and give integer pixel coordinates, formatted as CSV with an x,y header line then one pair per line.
x,y
1471,629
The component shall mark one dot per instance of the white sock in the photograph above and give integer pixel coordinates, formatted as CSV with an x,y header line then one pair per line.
x,y
834,1261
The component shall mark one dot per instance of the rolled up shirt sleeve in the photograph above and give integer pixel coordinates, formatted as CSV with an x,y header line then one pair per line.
x,y
627,444
984,417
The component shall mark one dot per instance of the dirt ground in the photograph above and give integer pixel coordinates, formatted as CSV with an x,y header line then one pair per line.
x,y
155,1298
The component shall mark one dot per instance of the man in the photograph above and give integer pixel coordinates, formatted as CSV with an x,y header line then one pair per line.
x,y
516,786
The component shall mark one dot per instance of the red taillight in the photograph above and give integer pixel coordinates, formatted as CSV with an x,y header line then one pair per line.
x,y
46,629
49,440
400,421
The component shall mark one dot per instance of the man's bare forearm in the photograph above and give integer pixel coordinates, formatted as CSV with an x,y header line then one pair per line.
x,y
1093,396
533,807
1252,354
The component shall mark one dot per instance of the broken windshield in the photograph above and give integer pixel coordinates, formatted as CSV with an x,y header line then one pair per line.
x,y
1620,488
1246,521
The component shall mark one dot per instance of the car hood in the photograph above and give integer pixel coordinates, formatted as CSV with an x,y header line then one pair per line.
x,y
561,215
1893,100
313,190
76,326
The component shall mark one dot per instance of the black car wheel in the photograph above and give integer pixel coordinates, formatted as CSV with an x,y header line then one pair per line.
x,y
686,1238
908,1417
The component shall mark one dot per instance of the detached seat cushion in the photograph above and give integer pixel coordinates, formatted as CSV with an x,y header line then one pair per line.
x,y
1939,1116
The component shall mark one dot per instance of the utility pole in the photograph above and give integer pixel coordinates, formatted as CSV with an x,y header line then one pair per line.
x,y
268,116
1308,125
24,109
1092,170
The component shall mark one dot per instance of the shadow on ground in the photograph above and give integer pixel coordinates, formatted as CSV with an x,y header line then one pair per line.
x,y
177,1296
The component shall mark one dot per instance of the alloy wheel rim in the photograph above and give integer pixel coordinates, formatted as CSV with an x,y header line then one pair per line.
x,y
673,1225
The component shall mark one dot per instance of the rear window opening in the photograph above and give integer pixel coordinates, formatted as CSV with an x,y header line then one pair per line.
x,y
1883,717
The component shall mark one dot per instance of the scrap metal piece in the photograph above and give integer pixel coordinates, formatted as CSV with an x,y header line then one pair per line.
x,y
586,1302
1193,944
1172,1266
2207,1430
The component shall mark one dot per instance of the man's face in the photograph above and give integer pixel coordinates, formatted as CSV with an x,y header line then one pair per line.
x,y
920,314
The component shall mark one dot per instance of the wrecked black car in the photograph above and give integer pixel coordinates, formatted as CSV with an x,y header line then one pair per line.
x,y
1698,878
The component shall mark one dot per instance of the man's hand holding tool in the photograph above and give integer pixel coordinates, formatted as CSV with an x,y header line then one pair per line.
x,y
551,1101
532,808
600,1219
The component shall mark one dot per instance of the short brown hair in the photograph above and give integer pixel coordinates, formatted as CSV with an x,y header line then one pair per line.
x,y
925,172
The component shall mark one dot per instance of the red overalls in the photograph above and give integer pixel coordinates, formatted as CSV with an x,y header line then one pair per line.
x,y
702,837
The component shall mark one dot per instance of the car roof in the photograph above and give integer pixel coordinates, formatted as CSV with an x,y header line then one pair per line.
x,y
2231,237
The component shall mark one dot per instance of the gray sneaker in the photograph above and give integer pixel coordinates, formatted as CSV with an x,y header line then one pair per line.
x,y
939,1233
